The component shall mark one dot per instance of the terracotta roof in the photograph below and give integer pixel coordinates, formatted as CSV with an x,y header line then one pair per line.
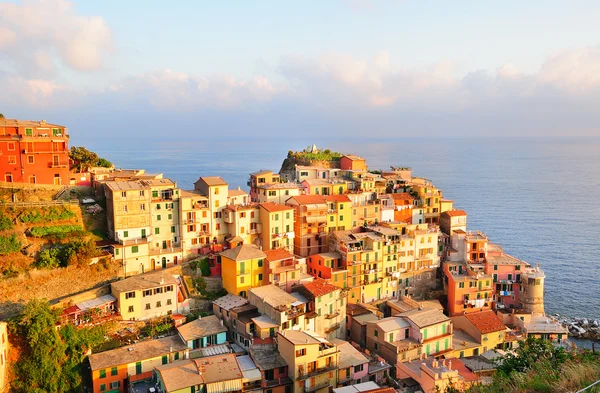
x,y
356,309
243,253
302,338
455,213
463,371
353,157
273,295
144,281
337,198
213,181
261,172
272,207
308,199
486,321
320,287
278,255
219,368
380,390
404,196
232,193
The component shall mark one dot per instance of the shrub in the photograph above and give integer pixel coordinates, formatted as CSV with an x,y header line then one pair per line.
x,y
48,259
59,231
9,244
205,267
47,214
5,223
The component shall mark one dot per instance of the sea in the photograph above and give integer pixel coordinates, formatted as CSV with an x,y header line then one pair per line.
x,y
538,198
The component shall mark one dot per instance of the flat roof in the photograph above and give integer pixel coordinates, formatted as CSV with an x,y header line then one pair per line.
x,y
26,123
180,374
348,355
136,352
201,327
230,301
266,357
391,323
144,281
219,368
273,295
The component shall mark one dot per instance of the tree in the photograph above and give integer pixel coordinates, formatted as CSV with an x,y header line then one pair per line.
x,y
103,162
50,358
83,158
528,353
2,116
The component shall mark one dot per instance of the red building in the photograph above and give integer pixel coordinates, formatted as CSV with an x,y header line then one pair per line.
x,y
33,152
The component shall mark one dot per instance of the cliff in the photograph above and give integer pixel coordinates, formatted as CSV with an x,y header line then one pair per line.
x,y
309,157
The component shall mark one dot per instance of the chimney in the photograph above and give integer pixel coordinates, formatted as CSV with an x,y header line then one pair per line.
x,y
449,364
221,322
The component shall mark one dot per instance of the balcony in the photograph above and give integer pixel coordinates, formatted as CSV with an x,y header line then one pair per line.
x,y
276,382
294,312
57,165
332,328
316,387
203,205
315,372
332,315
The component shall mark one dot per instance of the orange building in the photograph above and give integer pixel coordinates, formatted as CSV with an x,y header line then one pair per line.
x,y
353,163
310,224
468,290
33,152
328,265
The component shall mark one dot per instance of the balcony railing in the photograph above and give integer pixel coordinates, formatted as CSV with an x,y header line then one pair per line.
x,y
316,387
317,371
332,315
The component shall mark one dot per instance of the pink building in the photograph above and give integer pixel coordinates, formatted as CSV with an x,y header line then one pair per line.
x,y
506,272
353,365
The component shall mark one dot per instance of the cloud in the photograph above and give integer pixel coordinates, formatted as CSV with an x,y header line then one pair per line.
x,y
36,36
341,92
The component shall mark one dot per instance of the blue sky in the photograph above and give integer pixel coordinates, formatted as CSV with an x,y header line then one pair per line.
x,y
431,67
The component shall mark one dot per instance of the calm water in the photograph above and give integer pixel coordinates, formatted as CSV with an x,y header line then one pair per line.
x,y
538,199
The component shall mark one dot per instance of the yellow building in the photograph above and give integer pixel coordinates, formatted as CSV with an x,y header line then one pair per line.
x,y
312,361
484,328
266,186
146,296
430,198
196,220
339,214
243,268
277,226
217,192
327,304
113,369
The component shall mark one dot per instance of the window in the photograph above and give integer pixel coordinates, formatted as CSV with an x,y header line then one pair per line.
x,y
159,304
10,146
103,387
461,284
158,217
218,227
495,267
376,333
217,203
130,309
115,385
124,194
217,191
165,359
29,131
518,267
260,263
169,302
134,249
125,233
358,368
12,159
241,280
172,229
260,277
376,346
114,371
157,231
30,160
276,216
117,251
102,373
129,295
143,207
300,352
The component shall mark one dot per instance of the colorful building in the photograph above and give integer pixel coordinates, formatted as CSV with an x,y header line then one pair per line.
x,y
310,224
217,192
114,370
146,296
277,222
353,366
312,361
327,303
285,270
34,152
486,329
469,290
3,354
203,332
273,369
243,268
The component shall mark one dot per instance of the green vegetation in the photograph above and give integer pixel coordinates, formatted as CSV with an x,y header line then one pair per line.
x,y
74,252
153,329
50,359
324,155
85,159
194,315
537,366
200,285
9,244
5,222
46,214
203,265
59,231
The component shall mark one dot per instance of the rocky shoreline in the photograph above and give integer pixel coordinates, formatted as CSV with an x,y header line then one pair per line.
x,y
581,327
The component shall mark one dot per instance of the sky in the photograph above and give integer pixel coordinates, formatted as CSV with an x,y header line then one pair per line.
x,y
347,68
